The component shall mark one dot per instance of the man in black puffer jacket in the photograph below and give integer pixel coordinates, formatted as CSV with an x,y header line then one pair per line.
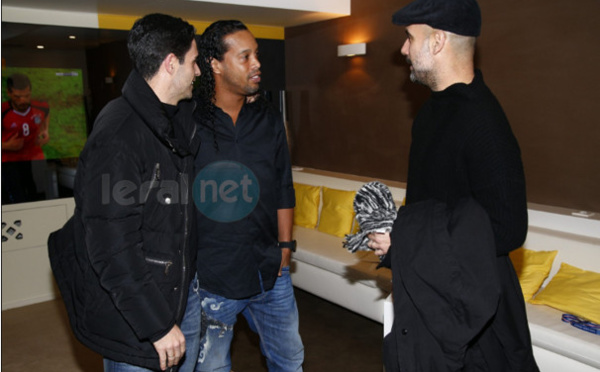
x,y
126,261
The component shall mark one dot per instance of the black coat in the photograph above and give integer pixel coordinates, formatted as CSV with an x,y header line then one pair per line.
x,y
457,306
124,261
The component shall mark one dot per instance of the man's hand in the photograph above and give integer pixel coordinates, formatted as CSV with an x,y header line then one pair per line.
x,y
14,143
379,242
286,257
170,348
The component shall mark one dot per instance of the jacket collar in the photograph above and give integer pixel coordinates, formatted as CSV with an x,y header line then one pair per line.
x,y
148,107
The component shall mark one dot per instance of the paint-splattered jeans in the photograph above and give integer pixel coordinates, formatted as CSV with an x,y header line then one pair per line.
x,y
272,314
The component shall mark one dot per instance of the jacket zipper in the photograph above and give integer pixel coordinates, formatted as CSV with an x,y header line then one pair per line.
x,y
153,181
167,264
184,291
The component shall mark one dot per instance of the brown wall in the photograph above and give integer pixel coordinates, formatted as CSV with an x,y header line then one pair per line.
x,y
540,57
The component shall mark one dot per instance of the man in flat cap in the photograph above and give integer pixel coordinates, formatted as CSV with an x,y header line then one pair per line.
x,y
458,305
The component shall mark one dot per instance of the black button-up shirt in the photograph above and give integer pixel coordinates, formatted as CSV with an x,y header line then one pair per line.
x,y
243,176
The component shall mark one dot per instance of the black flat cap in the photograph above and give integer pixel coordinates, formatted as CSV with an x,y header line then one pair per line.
x,y
462,17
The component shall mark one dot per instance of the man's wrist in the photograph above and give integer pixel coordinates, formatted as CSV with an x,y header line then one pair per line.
x,y
289,244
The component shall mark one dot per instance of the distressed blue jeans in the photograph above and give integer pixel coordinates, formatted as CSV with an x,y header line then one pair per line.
x,y
190,327
272,314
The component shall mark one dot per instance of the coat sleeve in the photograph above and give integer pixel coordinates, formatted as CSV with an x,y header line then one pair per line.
x,y
112,216
498,183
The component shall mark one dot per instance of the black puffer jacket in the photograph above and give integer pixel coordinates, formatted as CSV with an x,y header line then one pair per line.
x,y
124,262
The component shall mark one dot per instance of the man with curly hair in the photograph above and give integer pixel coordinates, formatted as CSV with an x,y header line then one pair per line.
x,y
245,195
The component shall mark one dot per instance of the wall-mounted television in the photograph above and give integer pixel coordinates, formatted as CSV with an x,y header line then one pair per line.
x,y
63,92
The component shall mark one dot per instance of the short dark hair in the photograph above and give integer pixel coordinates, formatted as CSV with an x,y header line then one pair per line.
x,y
17,81
153,37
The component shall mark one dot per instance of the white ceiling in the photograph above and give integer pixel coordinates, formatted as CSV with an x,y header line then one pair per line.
x,y
281,13
28,23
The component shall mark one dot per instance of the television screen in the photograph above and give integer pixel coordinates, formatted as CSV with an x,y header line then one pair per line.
x,y
56,94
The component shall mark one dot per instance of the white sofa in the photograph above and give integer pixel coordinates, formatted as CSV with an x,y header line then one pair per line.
x,y
558,346
323,267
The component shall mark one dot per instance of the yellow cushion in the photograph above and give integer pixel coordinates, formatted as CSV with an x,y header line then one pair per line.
x,y
574,291
337,213
355,226
306,213
532,268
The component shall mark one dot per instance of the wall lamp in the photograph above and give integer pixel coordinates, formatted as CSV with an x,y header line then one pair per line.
x,y
351,50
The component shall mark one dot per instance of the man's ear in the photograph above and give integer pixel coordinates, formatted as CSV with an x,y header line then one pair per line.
x,y
215,65
170,63
439,39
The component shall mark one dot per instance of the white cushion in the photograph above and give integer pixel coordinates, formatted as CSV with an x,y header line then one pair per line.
x,y
549,332
322,250
327,252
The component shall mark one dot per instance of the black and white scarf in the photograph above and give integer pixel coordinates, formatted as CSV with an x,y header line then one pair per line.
x,y
375,212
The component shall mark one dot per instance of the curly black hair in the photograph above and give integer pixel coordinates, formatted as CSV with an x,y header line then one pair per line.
x,y
211,45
